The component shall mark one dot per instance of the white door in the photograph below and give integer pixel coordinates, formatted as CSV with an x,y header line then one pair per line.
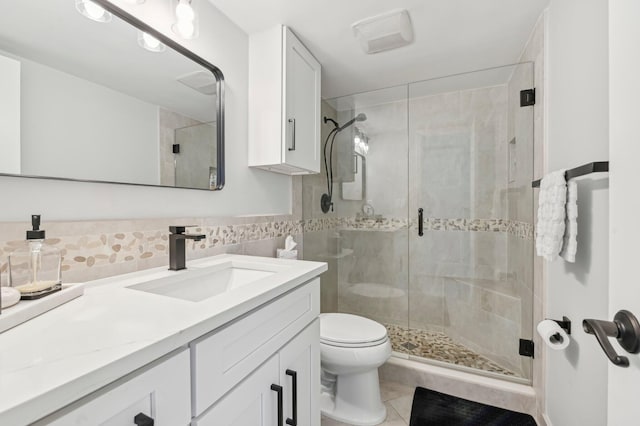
x,y
624,181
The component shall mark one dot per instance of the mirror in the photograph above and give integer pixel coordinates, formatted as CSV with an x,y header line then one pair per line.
x,y
356,190
112,101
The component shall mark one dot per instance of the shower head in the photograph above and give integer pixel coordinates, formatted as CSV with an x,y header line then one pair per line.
x,y
359,117
325,200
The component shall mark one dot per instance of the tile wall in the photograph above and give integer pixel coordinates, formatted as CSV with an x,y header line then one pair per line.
x,y
98,249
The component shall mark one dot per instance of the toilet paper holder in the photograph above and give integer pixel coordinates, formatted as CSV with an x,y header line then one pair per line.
x,y
564,324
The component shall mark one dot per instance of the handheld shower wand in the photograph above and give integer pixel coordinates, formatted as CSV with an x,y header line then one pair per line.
x,y
326,202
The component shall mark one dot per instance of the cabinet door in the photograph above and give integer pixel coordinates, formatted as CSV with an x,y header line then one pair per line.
x,y
251,403
302,106
300,363
161,391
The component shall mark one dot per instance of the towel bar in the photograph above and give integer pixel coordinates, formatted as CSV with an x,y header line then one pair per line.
x,y
585,169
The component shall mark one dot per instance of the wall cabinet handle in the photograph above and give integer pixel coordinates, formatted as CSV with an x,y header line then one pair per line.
x,y
278,389
293,134
294,396
420,222
142,419
624,327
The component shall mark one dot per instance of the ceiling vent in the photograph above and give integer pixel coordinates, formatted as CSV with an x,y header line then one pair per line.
x,y
384,32
202,81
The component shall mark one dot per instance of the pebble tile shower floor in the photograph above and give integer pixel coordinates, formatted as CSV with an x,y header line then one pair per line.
x,y
438,346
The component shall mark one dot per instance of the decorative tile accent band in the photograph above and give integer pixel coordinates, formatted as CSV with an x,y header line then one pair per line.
x,y
109,248
520,229
87,248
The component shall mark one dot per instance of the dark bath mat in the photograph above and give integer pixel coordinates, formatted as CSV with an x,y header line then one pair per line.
x,y
431,408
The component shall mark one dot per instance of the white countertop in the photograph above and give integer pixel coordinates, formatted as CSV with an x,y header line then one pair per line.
x,y
87,343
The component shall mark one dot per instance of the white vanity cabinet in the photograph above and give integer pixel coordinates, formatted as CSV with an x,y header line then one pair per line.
x,y
287,385
257,363
276,345
159,393
284,104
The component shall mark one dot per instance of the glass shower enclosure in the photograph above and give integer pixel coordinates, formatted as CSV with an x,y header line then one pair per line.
x,y
431,232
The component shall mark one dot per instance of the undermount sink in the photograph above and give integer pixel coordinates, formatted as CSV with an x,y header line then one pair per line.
x,y
202,282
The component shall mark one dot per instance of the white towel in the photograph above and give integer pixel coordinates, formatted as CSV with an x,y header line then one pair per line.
x,y
551,215
570,243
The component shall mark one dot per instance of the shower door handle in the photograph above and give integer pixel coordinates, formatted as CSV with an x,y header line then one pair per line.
x,y
420,222
293,134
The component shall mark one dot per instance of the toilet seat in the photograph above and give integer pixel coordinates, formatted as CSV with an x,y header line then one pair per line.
x,y
350,331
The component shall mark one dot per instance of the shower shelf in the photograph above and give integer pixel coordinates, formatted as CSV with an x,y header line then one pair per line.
x,y
585,169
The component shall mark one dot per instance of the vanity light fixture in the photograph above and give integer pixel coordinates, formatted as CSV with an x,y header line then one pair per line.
x,y
93,11
186,25
150,43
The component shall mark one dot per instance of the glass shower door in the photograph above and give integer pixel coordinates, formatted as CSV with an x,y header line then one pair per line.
x,y
196,161
470,171
363,236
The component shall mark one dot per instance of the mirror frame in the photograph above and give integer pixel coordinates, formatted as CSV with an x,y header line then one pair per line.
x,y
137,23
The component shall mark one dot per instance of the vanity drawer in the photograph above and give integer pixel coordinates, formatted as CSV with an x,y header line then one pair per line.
x,y
223,358
160,391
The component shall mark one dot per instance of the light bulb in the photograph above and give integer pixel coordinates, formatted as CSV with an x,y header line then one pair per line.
x,y
93,10
149,42
185,29
184,11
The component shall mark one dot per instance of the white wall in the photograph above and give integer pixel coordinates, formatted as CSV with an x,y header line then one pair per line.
x,y
64,135
247,191
624,292
9,115
576,379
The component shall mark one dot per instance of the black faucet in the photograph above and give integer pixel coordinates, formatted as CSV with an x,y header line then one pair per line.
x,y
177,256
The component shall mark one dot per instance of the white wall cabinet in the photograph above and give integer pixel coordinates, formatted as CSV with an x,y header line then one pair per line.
x,y
284,104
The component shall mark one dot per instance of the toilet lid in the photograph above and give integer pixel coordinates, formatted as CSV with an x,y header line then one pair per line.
x,y
347,330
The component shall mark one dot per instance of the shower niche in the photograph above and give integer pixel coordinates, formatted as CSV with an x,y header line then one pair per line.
x,y
461,294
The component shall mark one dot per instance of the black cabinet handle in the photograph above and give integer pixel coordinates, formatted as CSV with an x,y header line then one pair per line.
x,y
420,222
294,396
142,419
278,390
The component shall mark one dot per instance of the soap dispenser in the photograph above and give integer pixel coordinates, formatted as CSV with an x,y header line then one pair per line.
x,y
34,268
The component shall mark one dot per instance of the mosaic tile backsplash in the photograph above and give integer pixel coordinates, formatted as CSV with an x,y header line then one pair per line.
x,y
114,247
123,246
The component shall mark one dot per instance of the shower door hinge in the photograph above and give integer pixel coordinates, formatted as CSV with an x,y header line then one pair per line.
x,y
176,148
526,348
527,97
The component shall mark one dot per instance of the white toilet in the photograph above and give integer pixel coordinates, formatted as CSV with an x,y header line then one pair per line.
x,y
351,350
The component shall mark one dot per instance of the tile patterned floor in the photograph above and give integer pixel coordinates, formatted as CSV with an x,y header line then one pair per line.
x,y
397,398
438,346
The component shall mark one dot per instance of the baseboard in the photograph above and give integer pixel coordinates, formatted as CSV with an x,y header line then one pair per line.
x,y
486,390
